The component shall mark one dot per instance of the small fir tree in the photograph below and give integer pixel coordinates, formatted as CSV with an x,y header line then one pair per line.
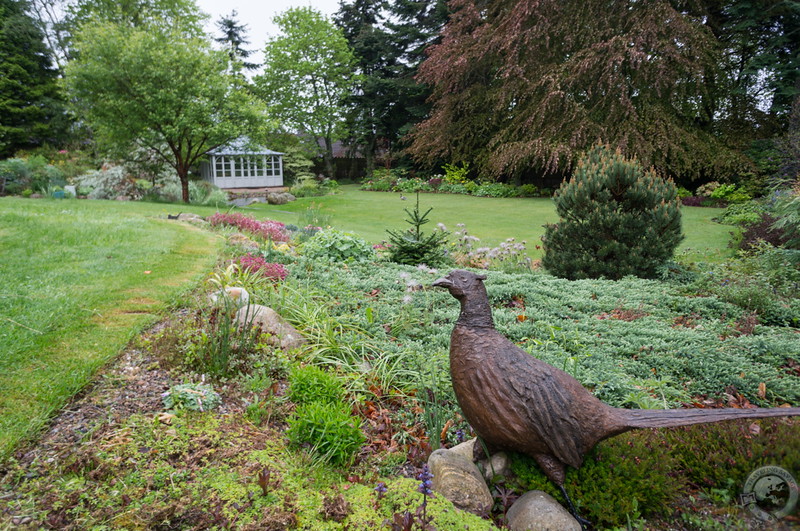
x,y
616,220
412,247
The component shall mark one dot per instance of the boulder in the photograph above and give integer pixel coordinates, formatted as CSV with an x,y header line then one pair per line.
x,y
498,464
191,218
538,511
458,479
280,198
237,295
282,334
240,240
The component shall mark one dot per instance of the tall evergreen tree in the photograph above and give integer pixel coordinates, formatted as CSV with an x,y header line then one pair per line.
x,y
522,85
31,109
234,37
389,39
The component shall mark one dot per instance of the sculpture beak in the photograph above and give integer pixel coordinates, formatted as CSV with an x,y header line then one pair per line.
x,y
443,282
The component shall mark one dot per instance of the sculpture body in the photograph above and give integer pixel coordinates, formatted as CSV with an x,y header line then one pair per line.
x,y
516,402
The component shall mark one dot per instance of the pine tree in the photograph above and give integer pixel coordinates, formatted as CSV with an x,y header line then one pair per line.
x,y
233,37
413,247
616,220
31,109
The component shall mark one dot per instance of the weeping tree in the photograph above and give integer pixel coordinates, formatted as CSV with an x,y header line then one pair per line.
x,y
160,92
616,219
531,84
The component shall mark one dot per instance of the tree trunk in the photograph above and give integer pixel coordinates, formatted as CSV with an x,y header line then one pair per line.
x,y
183,175
330,169
369,155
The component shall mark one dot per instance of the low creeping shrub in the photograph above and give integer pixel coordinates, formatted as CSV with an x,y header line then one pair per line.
x,y
337,246
194,397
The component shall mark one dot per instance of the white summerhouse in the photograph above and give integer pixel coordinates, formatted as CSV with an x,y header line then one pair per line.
x,y
236,165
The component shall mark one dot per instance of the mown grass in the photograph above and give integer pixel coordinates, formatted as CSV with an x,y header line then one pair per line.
x,y
78,279
492,220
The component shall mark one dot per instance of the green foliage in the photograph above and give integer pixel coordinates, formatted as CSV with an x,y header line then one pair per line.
x,y
413,247
337,246
496,190
191,396
765,280
745,213
33,172
624,477
159,90
730,193
454,174
329,429
32,108
200,193
308,71
616,220
312,187
309,384
787,210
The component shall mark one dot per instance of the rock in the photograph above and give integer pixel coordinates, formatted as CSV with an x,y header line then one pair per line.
x,y
241,240
498,465
458,479
280,198
238,295
538,511
282,334
464,449
192,218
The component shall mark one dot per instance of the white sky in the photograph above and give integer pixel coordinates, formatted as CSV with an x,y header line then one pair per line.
x,y
257,15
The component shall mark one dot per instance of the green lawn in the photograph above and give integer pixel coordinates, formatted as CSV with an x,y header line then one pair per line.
x,y
77,280
492,220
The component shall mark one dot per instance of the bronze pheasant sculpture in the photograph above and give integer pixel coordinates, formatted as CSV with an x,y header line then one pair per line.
x,y
516,402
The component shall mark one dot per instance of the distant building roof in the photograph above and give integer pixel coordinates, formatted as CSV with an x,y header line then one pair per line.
x,y
242,146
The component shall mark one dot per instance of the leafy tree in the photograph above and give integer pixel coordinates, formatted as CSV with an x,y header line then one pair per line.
x,y
31,109
49,17
158,91
181,16
308,72
233,37
616,220
522,85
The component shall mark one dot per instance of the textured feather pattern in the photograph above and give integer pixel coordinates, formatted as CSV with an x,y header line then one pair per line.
x,y
665,418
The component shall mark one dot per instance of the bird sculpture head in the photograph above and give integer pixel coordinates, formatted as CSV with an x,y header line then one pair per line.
x,y
459,283
468,288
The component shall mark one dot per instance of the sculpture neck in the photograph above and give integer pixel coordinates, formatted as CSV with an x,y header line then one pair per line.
x,y
476,312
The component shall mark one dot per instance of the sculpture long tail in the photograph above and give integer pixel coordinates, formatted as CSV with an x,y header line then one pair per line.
x,y
664,418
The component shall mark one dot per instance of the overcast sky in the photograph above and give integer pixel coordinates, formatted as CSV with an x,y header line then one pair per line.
x,y
257,15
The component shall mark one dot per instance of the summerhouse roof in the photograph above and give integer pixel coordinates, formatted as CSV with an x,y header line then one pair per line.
x,y
242,146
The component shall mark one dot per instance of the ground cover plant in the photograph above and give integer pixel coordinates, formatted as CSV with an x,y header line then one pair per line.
x,y
334,433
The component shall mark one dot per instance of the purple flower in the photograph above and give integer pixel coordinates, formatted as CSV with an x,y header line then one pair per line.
x,y
381,489
425,477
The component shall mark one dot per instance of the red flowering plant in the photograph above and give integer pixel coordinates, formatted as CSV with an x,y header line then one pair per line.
x,y
267,229
257,264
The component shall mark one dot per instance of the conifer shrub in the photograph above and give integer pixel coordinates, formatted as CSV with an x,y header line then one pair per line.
x,y
414,247
616,220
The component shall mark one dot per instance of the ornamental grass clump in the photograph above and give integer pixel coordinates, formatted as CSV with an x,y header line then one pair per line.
x,y
616,220
268,230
